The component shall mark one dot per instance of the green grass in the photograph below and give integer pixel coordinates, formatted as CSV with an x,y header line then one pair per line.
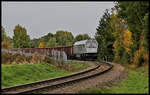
x,y
137,82
79,65
15,74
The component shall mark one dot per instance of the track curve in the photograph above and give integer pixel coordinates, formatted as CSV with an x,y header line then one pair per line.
x,y
56,83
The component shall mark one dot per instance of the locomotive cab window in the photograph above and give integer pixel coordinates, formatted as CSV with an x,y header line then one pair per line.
x,y
91,44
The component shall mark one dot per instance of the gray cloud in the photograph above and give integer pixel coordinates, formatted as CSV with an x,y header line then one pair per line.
x,y
40,18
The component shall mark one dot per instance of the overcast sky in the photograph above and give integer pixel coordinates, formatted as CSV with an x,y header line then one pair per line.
x,y
40,18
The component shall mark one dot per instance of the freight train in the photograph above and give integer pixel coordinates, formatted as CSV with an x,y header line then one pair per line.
x,y
80,49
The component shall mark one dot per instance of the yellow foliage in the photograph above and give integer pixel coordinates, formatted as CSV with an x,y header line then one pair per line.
x,y
5,44
136,57
119,21
127,40
115,44
41,45
127,49
142,53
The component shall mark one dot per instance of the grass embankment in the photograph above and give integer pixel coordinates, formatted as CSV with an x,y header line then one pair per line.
x,y
22,70
16,74
25,73
137,82
73,66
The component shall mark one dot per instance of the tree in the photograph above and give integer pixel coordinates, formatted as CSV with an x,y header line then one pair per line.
x,y
35,43
51,42
123,39
64,38
20,38
136,14
127,40
105,38
41,45
133,13
61,38
78,38
6,40
6,44
146,30
3,33
46,38
81,37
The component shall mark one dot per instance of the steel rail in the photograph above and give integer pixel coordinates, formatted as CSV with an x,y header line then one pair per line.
x,y
12,88
59,85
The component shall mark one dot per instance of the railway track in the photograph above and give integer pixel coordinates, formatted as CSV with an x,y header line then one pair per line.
x,y
57,83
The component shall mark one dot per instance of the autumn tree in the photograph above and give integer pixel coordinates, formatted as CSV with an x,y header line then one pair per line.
x,y
6,41
61,38
128,27
3,33
136,14
128,46
41,45
105,38
141,56
118,25
20,38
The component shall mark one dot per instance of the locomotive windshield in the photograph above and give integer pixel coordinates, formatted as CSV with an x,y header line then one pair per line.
x,y
91,44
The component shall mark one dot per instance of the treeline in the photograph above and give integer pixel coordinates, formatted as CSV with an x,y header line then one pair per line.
x,y
6,41
123,34
61,38
22,40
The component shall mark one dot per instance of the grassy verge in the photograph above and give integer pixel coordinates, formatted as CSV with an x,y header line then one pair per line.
x,y
78,65
15,74
137,82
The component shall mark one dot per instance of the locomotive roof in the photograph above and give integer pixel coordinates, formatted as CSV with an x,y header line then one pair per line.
x,y
81,42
